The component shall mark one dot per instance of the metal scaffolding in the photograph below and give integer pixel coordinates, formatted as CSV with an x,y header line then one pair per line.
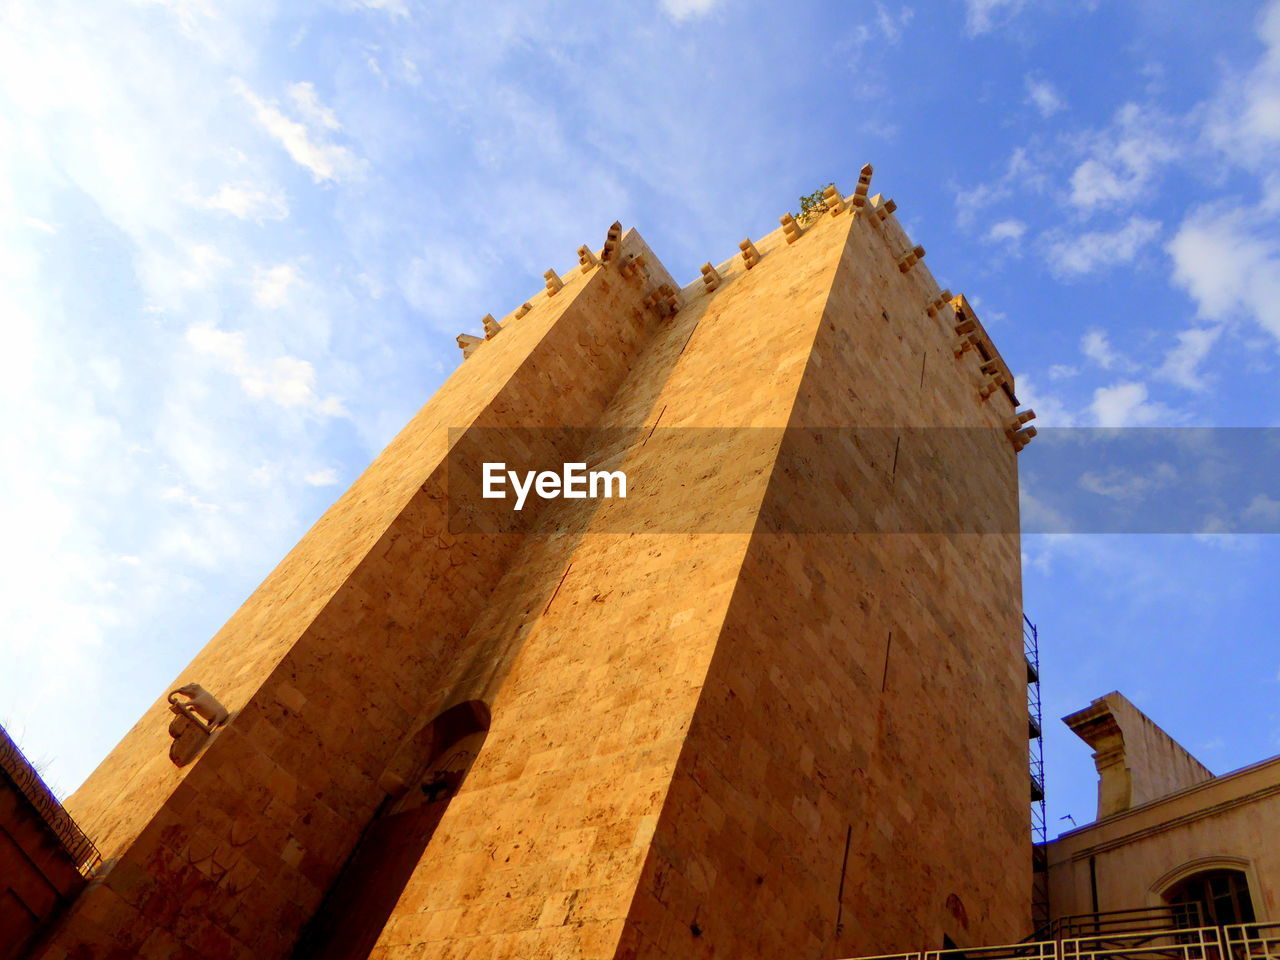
x,y
1040,914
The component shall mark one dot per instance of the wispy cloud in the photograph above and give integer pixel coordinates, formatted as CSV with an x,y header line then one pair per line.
x,y
1096,345
982,16
35,223
682,10
399,8
1098,250
308,146
1051,410
1126,404
1228,260
1021,173
1124,159
321,478
1182,362
1007,232
1245,120
287,381
892,25
271,286
248,201
1120,483
1044,96
308,103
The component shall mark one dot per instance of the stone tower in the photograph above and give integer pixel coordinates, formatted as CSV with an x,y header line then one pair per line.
x,y
640,734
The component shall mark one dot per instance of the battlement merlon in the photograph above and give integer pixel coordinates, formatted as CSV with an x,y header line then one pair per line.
x,y
986,348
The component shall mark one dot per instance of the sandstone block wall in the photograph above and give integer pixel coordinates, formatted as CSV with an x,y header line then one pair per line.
x,y
855,776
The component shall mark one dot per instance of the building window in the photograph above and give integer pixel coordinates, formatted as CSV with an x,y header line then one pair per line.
x,y
1221,896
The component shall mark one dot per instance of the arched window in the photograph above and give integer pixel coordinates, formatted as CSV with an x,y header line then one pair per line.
x,y
1221,896
362,898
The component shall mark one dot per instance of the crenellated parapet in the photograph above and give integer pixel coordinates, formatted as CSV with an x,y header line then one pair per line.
x,y
631,264
971,345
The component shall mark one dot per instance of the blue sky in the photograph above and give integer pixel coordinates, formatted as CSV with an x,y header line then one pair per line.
x,y
237,239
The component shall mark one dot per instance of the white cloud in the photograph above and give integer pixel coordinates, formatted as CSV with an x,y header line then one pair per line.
x,y
892,27
1098,250
1097,347
1246,122
681,10
205,263
308,103
1126,405
1228,260
35,223
1007,231
180,494
271,286
1042,95
1035,514
326,161
1062,371
287,381
399,8
248,202
981,16
1271,193
1050,410
188,12
1124,160
129,455
1020,171
1182,362
1263,507
321,478
1121,484
1095,182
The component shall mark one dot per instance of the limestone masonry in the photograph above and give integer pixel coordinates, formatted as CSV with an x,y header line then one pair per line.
x,y
420,743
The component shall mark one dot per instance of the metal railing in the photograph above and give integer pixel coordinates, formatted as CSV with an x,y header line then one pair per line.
x,y
15,765
1192,943
1169,916
1035,950
1252,941
1241,941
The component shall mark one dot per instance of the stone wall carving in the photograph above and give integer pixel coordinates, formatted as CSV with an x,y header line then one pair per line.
x,y
195,719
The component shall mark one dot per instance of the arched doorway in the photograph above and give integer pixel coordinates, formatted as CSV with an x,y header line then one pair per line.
x,y
361,900
1219,896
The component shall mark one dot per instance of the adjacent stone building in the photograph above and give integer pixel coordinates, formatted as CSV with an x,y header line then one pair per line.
x,y
1168,833
771,704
